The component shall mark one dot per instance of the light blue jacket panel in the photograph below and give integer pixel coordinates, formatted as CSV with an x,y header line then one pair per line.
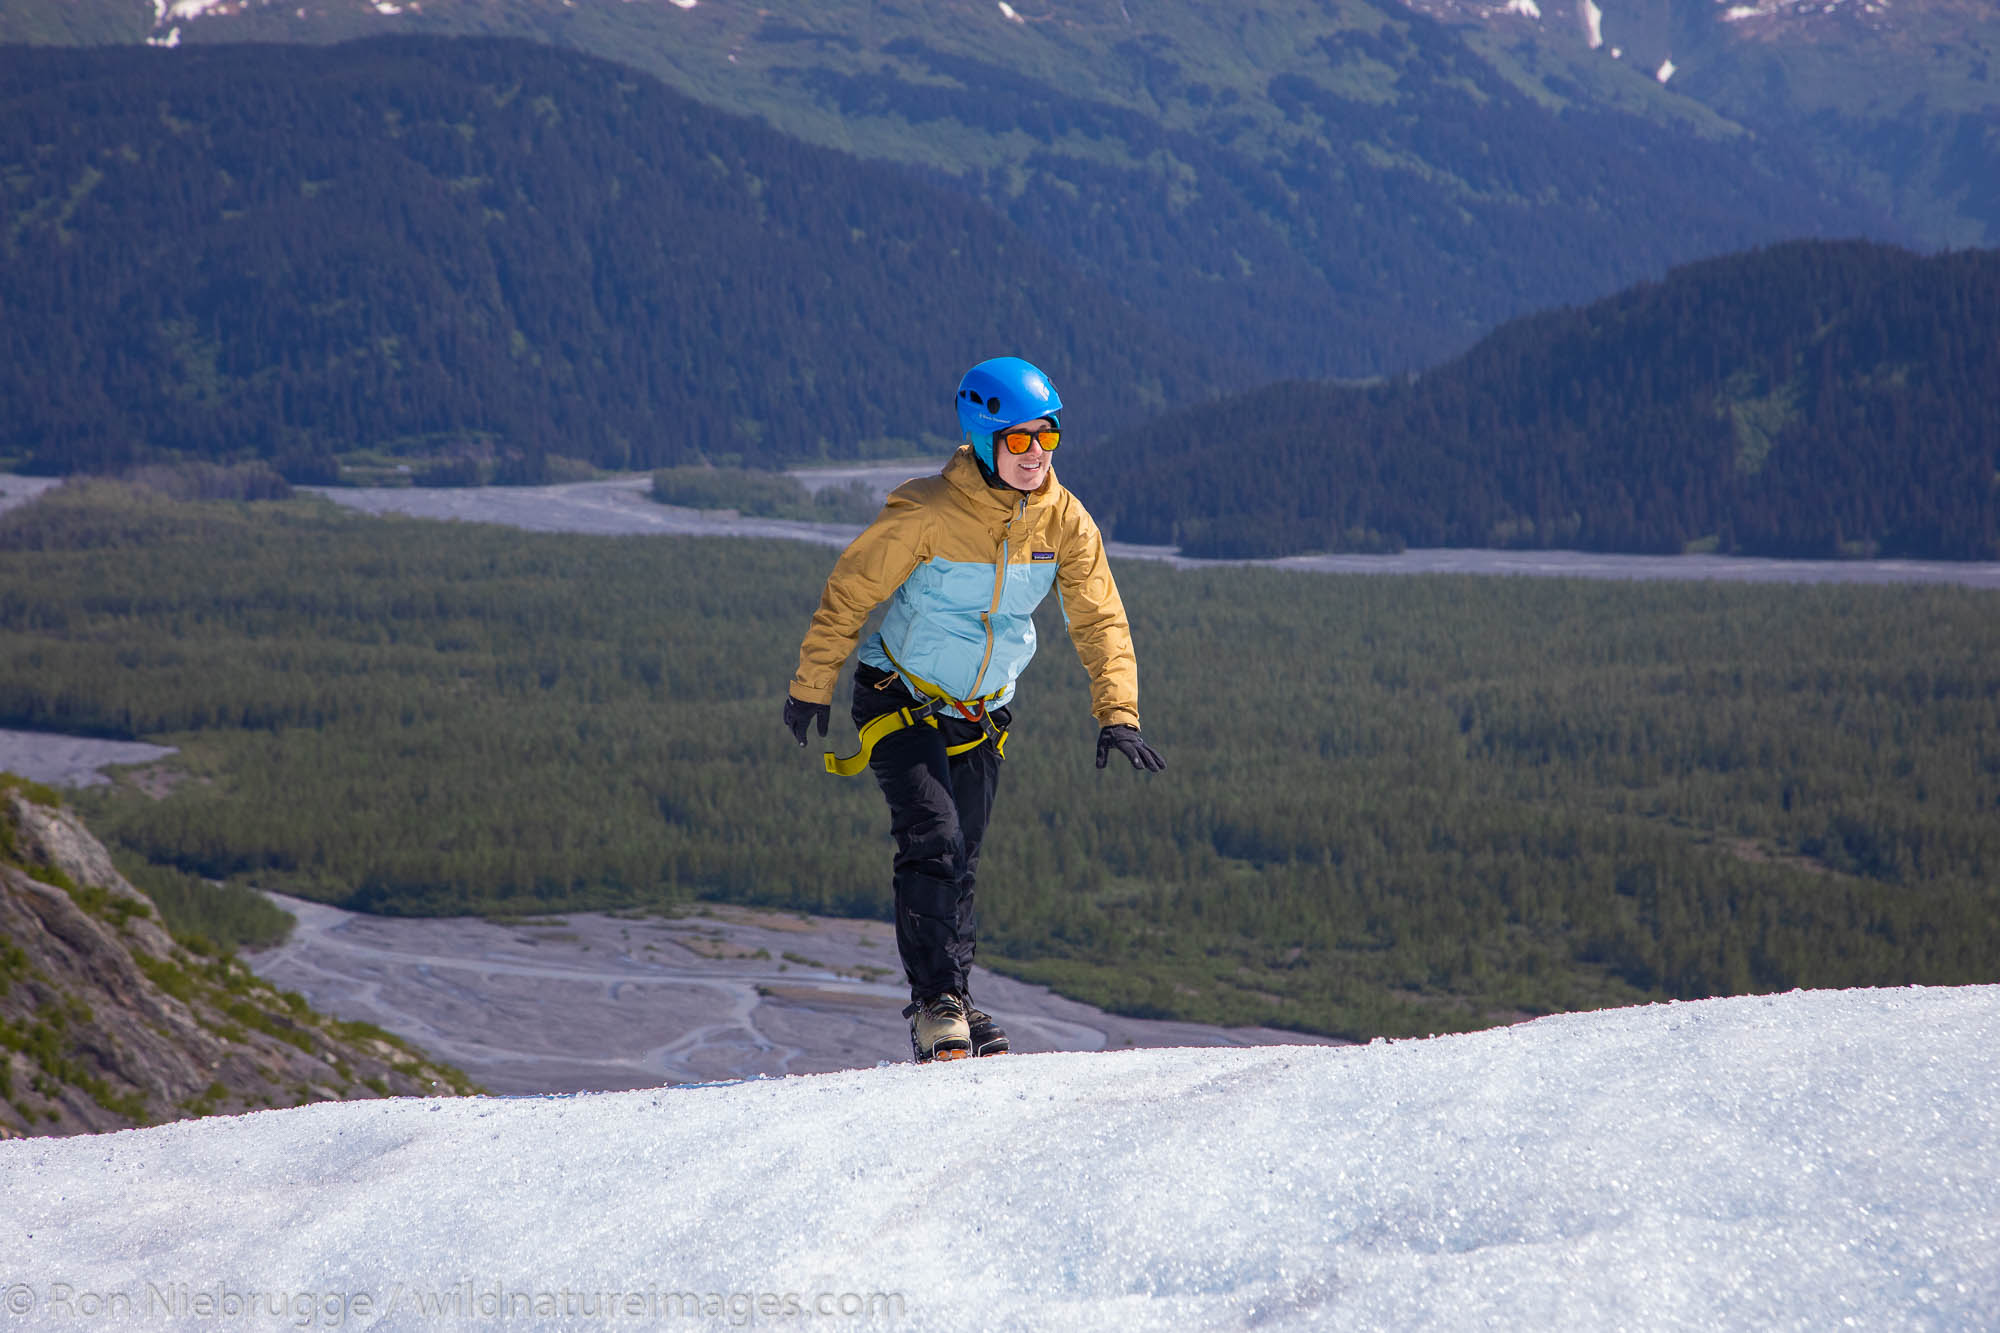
x,y
936,625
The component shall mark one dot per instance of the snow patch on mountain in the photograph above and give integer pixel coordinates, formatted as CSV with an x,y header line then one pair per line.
x,y
1776,15
1812,1160
1755,19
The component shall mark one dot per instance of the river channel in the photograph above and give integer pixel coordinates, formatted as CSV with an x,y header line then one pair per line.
x,y
623,507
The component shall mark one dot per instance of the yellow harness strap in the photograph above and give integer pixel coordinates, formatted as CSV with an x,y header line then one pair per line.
x,y
888,724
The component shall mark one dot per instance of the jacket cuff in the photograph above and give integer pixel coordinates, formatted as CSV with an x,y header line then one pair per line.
x,y
1120,717
807,694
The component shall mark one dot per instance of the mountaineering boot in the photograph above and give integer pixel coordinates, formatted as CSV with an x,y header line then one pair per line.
x,y
984,1033
937,1028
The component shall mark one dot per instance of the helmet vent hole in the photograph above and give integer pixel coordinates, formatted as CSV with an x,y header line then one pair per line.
x,y
992,404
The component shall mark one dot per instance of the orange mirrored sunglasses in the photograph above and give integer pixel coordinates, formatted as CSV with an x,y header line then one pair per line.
x,y
1017,441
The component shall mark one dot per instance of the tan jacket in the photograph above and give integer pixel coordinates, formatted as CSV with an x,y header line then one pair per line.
x,y
963,567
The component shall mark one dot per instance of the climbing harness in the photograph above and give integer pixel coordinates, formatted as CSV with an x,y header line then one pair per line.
x,y
925,713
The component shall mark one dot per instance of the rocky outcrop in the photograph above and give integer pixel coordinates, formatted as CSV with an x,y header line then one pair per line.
x,y
107,1022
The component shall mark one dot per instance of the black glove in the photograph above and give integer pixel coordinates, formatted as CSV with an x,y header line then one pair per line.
x,y
1130,745
799,716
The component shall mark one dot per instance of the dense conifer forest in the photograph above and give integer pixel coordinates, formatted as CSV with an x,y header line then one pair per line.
x,y
765,494
492,252
1316,187
1394,805
1814,399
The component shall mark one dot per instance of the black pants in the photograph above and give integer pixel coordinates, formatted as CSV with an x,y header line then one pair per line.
x,y
938,808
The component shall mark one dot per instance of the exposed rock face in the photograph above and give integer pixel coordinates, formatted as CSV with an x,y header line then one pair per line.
x,y
106,1022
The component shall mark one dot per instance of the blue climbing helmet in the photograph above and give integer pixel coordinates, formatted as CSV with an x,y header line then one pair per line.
x,y
999,393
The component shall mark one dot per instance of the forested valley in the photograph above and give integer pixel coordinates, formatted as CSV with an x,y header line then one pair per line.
x,y
1394,805
1814,399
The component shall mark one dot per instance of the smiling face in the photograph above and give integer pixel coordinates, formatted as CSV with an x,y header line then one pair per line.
x,y
1024,472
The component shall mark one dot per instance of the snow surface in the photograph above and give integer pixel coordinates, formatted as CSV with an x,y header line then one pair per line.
x,y
191,9
1805,1161
1666,70
1525,8
1593,24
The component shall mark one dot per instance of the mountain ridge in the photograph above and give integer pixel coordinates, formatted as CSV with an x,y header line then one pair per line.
x,y
107,1021
1813,399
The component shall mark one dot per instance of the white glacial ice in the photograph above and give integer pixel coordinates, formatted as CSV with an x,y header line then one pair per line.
x,y
1812,1161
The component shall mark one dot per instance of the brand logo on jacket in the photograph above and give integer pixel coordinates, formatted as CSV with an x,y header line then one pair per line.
x,y
1043,555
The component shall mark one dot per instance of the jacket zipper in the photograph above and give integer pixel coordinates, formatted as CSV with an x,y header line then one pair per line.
x,y
999,588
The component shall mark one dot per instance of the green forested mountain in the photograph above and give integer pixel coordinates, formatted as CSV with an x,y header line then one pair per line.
x,y
1313,187
1394,805
1809,400
432,246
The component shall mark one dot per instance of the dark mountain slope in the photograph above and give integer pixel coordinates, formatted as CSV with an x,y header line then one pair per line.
x,y
1813,399
1316,187
488,246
